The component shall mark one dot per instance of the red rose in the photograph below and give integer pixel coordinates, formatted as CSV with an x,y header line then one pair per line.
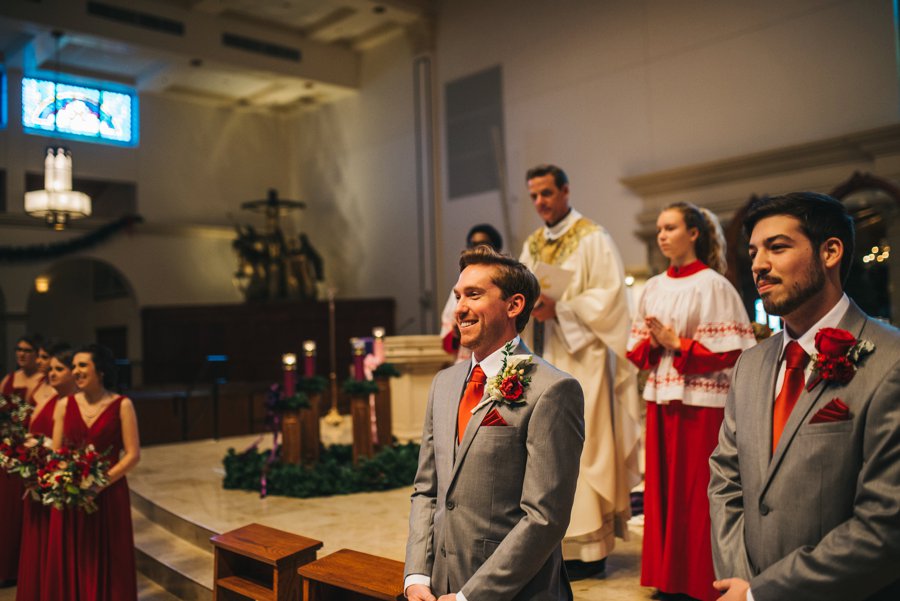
x,y
511,388
834,342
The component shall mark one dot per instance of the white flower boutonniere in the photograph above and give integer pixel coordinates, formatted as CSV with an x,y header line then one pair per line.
x,y
509,385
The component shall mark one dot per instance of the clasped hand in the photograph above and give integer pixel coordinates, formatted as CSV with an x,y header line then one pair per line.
x,y
420,592
734,589
662,335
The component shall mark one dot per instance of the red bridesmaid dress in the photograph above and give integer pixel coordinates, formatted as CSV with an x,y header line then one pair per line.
x,y
90,557
10,508
35,522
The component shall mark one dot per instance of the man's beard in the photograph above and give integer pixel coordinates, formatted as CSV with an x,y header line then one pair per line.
x,y
800,292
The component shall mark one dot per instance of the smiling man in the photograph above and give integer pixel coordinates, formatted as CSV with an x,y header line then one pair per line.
x,y
584,332
499,457
805,483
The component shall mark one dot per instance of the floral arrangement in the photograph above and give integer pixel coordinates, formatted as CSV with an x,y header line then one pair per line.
x,y
839,356
14,416
23,456
71,478
510,383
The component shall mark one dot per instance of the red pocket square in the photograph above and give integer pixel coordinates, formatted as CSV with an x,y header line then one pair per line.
x,y
493,418
834,411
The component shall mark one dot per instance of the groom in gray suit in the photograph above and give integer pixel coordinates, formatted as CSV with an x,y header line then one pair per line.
x,y
805,483
500,453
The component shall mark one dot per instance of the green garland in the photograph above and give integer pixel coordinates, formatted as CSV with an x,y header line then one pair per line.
x,y
386,370
295,403
311,384
359,387
41,252
334,474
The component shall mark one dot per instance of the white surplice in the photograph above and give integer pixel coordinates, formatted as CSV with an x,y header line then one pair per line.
x,y
587,339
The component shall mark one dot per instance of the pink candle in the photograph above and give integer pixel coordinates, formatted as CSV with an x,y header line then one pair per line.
x,y
378,344
289,362
309,358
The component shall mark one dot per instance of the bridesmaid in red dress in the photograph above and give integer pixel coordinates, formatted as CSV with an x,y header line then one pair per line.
x,y
35,516
90,557
20,382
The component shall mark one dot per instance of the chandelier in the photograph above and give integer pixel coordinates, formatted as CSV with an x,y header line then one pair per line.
x,y
57,203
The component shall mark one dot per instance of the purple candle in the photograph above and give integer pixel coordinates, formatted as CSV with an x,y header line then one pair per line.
x,y
289,363
309,358
359,352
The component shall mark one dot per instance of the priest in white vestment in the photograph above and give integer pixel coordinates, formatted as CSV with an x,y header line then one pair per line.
x,y
584,333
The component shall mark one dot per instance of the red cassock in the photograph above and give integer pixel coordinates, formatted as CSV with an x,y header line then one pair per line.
x,y
685,396
10,508
90,557
35,522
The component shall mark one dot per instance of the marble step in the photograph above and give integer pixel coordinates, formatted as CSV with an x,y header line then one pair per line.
x,y
190,531
150,591
178,566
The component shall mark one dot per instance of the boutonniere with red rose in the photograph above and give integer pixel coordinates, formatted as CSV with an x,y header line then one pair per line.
x,y
838,357
509,385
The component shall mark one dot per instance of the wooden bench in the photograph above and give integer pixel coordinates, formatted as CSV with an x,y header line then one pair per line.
x,y
258,562
348,575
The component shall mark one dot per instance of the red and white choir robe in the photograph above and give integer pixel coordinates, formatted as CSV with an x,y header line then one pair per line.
x,y
685,394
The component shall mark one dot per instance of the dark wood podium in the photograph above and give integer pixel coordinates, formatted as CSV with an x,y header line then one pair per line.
x,y
348,575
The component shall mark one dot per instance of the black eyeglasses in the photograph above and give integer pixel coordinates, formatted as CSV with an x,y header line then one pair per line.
x,y
22,349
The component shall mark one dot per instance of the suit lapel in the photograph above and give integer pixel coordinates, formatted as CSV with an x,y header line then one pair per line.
x,y
853,321
476,419
766,390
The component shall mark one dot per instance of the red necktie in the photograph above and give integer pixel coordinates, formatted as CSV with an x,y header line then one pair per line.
x,y
795,359
470,398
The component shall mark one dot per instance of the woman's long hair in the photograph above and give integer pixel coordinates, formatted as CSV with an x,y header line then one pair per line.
x,y
710,244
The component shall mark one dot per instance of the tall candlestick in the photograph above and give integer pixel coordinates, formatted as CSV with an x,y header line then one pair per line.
x,y
333,417
289,362
378,344
309,358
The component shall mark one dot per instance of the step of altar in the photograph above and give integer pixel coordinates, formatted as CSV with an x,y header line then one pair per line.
x,y
172,551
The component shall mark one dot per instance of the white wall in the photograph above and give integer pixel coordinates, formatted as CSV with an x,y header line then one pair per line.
x,y
622,87
353,162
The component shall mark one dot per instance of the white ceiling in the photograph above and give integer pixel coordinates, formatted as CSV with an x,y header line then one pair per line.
x,y
329,35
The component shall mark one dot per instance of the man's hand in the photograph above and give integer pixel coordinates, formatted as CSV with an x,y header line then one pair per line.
x,y
450,597
735,589
419,592
544,308
664,335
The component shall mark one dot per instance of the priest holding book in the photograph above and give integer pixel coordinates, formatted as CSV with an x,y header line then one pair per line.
x,y
581,327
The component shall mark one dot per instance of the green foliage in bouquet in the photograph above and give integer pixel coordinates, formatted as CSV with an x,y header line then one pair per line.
x,y
334,474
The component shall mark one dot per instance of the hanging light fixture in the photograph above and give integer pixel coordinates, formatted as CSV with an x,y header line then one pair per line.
x,y
57,203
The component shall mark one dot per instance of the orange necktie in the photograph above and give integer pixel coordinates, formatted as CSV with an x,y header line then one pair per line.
x,y
795,359
470,398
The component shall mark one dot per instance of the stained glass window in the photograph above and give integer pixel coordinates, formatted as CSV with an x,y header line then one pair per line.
x,y
79,111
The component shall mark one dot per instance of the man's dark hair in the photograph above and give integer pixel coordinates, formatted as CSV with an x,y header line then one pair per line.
x,y
821,217
511,277
488,230
559,176
104,363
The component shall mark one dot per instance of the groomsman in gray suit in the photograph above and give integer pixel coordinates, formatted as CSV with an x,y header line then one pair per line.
x,y
500,453
805,483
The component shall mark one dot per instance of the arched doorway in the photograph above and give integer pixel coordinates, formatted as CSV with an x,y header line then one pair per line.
x,y
87,300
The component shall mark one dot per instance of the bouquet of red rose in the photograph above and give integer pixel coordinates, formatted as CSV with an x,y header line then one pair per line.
x,y
24,456
71,478
14,415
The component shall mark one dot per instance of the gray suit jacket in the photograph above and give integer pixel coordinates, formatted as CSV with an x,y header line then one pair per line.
x,y
488,516
821,519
